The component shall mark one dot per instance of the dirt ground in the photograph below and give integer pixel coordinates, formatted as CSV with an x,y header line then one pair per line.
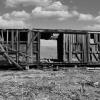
x,y
69,84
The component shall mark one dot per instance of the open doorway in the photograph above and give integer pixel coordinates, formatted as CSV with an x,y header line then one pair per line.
x,y
48,49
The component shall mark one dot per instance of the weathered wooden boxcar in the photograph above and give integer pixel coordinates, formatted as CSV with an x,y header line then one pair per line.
x,y
79,47
21,47
76,47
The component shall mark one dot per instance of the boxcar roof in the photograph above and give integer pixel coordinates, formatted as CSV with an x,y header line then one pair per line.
x,y
21,30
64,31
55,31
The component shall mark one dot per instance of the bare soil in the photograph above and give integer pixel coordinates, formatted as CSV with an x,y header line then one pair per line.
x,y
69,84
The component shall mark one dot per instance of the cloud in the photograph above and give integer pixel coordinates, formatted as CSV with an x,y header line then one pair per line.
x,y
17,15
85,17
47,8
97,18
56,9
60,11
12,23
44,8
16,19
88,17
57,6
14,3
93,27
40,12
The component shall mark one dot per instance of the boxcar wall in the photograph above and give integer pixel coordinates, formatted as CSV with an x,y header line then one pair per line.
x,y
79,48
94,47
73,46
21,45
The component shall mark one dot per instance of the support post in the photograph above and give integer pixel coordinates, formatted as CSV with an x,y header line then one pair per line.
x,y
70,48
2,36
30,47
38,54
88,47
17,46
7,41
12,39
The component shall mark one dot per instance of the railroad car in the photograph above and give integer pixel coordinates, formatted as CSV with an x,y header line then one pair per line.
x,y
21,47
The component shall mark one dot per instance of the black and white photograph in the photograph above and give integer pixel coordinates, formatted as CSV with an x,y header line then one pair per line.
x,y
49,50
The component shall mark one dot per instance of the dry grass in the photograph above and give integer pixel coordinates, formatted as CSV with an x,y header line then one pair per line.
x,y
72,84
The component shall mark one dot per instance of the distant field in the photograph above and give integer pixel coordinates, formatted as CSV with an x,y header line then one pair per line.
x,y
71,84
48,52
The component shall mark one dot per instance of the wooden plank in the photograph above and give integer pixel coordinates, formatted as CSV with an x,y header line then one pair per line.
x,y
78,58
30,46
66,47
7,40
98,45
88,48
95,57
32,39
15,51
17,46
26,48
81,48
96,41
77,47
84,49
9,58
2,36
70,48
12,39
38,50
74,42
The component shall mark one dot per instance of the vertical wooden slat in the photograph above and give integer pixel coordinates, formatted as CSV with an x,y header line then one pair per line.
x,y
2,34
81,47
17,46
96,42
7,36
7,40
88,47
70,48
38,51
27,48
84,49
72,41
12,39
30,47
66,48
98,46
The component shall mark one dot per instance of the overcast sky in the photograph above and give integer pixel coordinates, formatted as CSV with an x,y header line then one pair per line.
x,y
67,14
